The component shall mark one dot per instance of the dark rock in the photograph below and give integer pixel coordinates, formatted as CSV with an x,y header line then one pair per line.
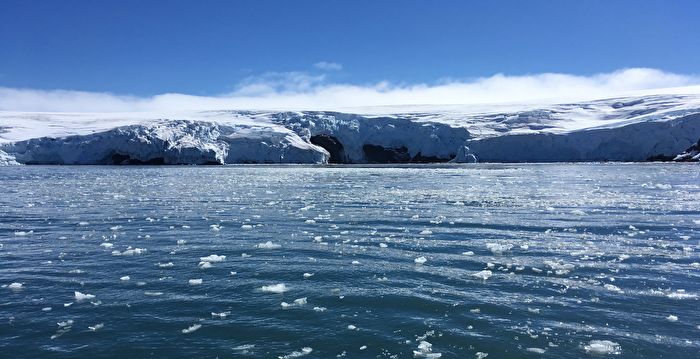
x,y
121,159
379,154
419,158
332,145
660,158
691,154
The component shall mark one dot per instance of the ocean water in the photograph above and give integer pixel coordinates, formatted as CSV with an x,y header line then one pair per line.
x,y
504,261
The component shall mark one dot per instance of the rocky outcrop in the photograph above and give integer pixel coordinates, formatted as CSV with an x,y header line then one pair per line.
x,y
691,154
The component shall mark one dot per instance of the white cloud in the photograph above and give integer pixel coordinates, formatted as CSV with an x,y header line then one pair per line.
x,y
328,66
301,90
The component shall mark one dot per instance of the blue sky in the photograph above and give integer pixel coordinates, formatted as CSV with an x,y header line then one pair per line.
x,y
129,55
210,47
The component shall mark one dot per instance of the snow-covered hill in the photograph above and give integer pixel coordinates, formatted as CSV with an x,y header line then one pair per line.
x,y
622,129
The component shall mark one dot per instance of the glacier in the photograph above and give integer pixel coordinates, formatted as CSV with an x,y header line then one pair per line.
x,y
653,127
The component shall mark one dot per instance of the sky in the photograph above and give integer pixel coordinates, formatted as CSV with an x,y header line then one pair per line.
x,y
128,55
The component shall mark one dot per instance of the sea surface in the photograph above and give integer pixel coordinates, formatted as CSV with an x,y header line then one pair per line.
x,y
497,261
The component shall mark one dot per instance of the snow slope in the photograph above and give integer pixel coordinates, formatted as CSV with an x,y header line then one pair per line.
x,y
621,129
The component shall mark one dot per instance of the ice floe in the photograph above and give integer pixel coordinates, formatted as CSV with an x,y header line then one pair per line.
x,y
420,260
192,328
274,288
15,286
425,350
483,275
96,327
268,245
602,347
297,303
79,297
297,353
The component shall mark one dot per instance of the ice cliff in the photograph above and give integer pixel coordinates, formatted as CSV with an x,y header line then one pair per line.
x,y
662,127
171,142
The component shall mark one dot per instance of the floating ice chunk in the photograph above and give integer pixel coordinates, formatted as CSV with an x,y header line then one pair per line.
x,y
213,258
363,347
308,275
205,265
420,260
125,278
483,275
268,245
215,227
131,252
297,303
536,350
192,328
66,323
309,221
352,327
681,294
426,232
46,309
274,288
613,288
166,265
425,350
15,286
82,296
297,353
97,327
497,248
83,224
559,267
220,315
602,347
181,242
195,281
468,253
355,262
481,355
63,328
320,309
672,318
23,233
107,245
247,226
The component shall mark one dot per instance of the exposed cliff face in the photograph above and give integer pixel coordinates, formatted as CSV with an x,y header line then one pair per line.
x,y
382,139
691,154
